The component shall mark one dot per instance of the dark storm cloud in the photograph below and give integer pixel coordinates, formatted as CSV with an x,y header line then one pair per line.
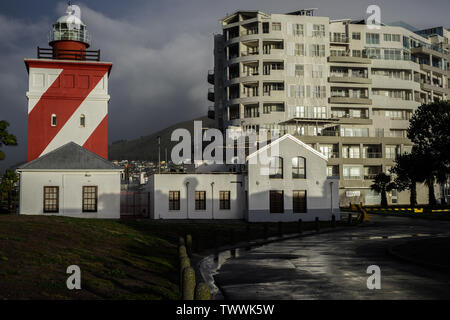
x,y
161,52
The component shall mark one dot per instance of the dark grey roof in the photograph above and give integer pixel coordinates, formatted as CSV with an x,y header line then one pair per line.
x,y
70,156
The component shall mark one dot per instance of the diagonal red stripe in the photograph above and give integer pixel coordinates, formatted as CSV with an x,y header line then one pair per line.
x,y
98,141
63,98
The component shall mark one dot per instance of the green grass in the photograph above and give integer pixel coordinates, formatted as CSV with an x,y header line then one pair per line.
x,y
118,259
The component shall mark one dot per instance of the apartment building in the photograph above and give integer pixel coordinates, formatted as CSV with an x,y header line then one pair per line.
x,y
344,88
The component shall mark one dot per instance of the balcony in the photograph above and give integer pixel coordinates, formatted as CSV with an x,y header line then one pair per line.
x,y
211,76
350,100
372,155
349,78
211,94
84,55
349,59
339,39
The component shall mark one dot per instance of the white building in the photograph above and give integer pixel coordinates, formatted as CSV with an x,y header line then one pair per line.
x,y
70,181
297,187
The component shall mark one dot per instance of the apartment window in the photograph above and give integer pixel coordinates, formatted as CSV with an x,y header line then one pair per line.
x,y
174,200
90,197
299,49
298,91
82,121
51,199
53,120
356,35
224,198
352,172
317,71
318,91
276,201
356,53
265,27
298,168
299,70
372,38
396,37
276,26
387,37
318,50
318,30
277,107
299,201
299,111
276,168
391,152
297,29
200,200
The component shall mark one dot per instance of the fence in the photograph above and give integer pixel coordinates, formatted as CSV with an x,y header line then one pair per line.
x,y
134,204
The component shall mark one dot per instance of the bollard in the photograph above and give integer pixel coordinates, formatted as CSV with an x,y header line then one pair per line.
x,y
280,228
232,236
182,251
317,224
333,221
266,231
189,245
349,220
185,262
300,226
202,292
181,241
188,283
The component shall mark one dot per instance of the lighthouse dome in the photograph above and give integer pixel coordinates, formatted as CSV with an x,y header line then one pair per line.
x,y
72,17
70,28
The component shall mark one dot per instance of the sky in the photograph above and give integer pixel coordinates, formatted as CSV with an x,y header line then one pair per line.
x,y
161,51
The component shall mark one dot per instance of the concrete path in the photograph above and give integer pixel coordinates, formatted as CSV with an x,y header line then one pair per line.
x,y
333,265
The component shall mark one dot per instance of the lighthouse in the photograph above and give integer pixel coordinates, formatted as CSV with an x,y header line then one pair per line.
x,y
67,172
68,91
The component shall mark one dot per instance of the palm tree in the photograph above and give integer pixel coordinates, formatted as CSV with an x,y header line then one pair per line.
x,y
382,184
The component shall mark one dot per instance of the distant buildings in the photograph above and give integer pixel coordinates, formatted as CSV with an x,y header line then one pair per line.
x,y
346,90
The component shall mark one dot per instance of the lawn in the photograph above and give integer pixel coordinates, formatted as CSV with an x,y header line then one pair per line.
x,y
118,259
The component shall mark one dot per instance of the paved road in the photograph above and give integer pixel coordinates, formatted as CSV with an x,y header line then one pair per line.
x,y
333,265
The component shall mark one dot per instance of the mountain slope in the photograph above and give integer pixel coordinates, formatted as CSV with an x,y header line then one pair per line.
x,y
146,148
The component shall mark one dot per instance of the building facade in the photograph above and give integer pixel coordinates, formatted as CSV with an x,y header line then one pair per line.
x,y
341,87
70,181
293,185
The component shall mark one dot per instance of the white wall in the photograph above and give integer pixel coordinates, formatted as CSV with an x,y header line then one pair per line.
x,y
160,184
316,184
70,192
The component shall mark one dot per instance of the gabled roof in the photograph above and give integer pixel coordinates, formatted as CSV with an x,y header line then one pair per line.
x,y
288,136
70,156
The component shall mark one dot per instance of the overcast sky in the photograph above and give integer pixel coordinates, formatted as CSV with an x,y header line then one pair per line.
x,y
161,51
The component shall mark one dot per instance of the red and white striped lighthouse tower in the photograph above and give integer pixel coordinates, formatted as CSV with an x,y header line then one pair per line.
x,y
68,91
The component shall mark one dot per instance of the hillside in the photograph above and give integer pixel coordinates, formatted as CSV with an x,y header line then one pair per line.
x,y
146,148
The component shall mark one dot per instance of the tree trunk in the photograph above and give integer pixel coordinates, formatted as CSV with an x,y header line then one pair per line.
x,y
413,194
384,203
431,196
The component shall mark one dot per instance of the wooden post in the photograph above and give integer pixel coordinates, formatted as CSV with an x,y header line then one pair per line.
x,y
300,226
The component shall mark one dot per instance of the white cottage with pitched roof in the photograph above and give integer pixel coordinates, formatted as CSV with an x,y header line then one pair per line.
x,y
70,181
293,186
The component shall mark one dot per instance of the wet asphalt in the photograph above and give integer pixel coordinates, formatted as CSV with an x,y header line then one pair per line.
x,y
333,266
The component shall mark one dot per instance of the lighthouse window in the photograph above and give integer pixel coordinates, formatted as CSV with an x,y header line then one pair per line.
x,y
53,121
82,121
